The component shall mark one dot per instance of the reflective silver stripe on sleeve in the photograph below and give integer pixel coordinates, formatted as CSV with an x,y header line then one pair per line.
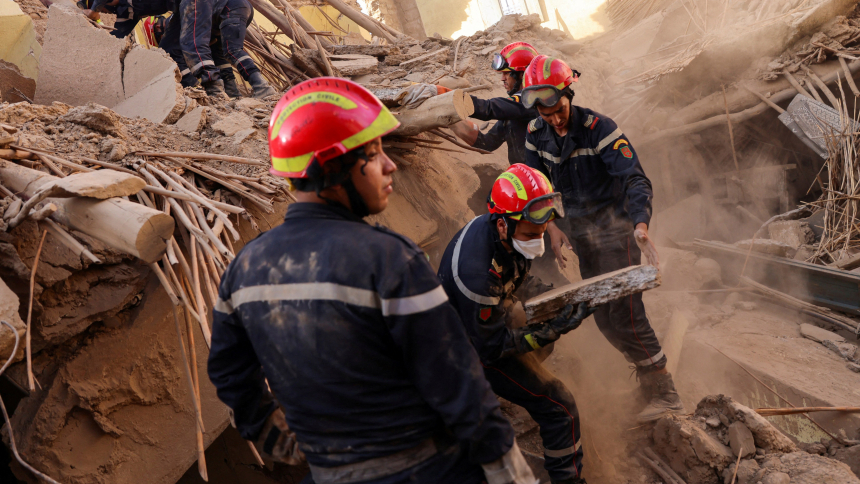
x,y
650,361
530,146
543,154
403,306
609,139
240,59
201,64
329,291
583,152
223,306
455,262
562,452
224,66
185,71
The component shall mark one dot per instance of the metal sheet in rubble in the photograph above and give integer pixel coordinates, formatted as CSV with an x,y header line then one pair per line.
x,y
813,122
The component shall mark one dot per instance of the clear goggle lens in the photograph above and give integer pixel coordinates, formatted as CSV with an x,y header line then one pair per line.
x,y
545,95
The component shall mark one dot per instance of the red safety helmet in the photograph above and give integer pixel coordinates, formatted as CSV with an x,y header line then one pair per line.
x,y
523,193
514,57
321,119
544,80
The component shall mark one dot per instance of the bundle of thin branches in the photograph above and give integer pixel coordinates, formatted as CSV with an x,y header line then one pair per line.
x,y
841,190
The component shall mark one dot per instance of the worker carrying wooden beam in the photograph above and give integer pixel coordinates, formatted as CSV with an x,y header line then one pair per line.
x,y
484,270
607,201
366,359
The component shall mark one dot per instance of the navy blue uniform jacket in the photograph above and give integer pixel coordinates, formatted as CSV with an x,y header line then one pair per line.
x,y
357,339
603,185
513,121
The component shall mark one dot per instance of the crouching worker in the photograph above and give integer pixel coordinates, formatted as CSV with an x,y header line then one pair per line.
x,y
364,355
484,270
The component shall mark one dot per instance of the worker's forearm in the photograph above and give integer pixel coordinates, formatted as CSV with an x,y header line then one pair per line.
x,y
466,131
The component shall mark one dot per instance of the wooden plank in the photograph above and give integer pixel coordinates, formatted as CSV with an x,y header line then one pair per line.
x,y
596,291
427,56
821,285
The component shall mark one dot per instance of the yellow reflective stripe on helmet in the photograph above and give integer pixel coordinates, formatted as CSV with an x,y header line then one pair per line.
x,y
296,164
313,97
531,341
383,123
517,183
547,67
516,49
560,86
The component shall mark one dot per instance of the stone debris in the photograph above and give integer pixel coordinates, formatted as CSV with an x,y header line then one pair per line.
x,y
793,233
818,334
232,124
768,246
697,448
69,35
194,121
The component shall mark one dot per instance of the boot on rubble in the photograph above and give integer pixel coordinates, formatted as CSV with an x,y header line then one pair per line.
x,y
231,88
262,89
663,398
215,89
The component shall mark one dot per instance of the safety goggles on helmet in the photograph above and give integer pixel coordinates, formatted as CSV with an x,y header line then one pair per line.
x,y
542,209
544,94
500,63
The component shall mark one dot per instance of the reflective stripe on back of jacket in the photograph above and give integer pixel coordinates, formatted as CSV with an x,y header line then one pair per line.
x,y
357,341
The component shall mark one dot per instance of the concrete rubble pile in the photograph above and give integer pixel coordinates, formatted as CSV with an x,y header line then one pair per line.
x,y
725,442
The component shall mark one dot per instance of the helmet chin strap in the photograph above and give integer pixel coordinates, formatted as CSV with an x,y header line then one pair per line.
x,y
511,229
356,202
519,77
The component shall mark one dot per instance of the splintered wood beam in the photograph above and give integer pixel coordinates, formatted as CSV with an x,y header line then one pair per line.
x,y
437,112
595,291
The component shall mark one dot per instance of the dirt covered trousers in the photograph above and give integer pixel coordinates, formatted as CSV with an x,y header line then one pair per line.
x,y
623,322
522,380
198,18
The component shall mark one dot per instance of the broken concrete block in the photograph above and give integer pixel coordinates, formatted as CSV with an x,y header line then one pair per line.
x,y
162,101
746,473
142,66
596,291
250,103
112,149
72,49
100,184
97,118
818,334
793,233
765,434
355,64
854,367
768,246
710,450
241,136
233,123
776,478
845,350
151,84
193,121
18,43
415,77
9,304
741,440
13,84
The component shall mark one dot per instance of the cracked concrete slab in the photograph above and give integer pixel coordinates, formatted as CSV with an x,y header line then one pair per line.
x,y
73,52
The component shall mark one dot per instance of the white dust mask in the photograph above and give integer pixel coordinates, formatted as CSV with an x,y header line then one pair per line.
x,y
529,248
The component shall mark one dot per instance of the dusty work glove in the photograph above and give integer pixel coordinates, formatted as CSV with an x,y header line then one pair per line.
x,y
278,442
511,468
567,320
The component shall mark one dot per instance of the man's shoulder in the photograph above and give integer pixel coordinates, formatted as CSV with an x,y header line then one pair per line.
x,y
594,122
536,125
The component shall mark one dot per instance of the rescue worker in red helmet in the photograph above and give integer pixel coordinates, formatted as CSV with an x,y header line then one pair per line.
x,y
512,118
365,357
607,201
485,270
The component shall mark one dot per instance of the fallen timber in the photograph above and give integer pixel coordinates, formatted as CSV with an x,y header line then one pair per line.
x,y
595,291
821,285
